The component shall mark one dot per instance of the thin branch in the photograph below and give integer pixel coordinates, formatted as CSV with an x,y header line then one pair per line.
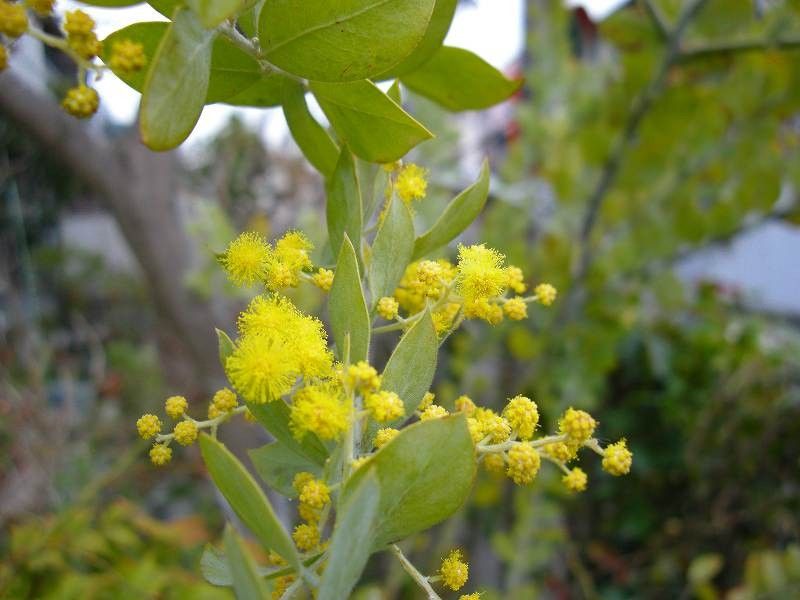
x,y
725,48
657,17
615,160
421,580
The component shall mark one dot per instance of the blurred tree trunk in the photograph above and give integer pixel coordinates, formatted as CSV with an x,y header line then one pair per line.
x,y
140,189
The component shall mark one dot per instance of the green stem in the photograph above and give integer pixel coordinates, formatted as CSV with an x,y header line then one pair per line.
x,y
421,580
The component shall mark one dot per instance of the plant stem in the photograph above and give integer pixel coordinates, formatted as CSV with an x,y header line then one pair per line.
x,y
421,580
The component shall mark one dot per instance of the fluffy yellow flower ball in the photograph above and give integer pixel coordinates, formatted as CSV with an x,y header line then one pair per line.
x,y
81,101
185,433
246,259
523,416
411,183
523,463
454,571
575,480
384,436
306,536
384,406
388,308
434,411
160,454
148,426
176,406
617,459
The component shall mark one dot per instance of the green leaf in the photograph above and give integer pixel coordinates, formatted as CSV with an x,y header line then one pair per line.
x,y
352,539
442,17
247,581
248,20
373,125
176,83
344,209
460,80
342,41
226,346
165,7
247,499
314,141
457,216
391,250
216,570
277,464
235,76
214,12
410,369
425,475
347,307
274,417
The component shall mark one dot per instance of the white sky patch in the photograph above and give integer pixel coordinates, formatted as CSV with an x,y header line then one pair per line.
x,y
598,9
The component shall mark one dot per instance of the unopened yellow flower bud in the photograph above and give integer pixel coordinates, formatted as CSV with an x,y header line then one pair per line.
x,y
545,294
493,425
86,46
359,462
127,56
214,411
315,493
515,279
472,596
77,23
411,183
81,101
185,433
465,404
3,58
13,19
560,451
308,513
494,463
454,571
41,7
523,416
362,376
483,309
575,480
384,406
384,436
281,585
323,279
388,308
617,459
523,463
577,425
515,309
434,411
148,426
225,400
176,406
306,536
160,454
427,400
300,480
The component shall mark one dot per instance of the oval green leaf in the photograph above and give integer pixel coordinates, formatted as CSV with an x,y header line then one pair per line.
x,y
247,582
311,137
442,17
226,346
347,307
247,499
274,417
425,475
411,367
344,204
165,7
352,539
177,82
457,216
277,464
460,80
342,41
214,12
391,250
373,125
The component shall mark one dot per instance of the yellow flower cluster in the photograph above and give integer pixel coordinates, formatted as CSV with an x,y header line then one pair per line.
x,y
127,56
384,436
523,463
223,402
176,406
81,37
575,480
577,425
388,308
362,377
250,259
475,288
434,411
411,183
306,536
81,101
148,426
277,344
13,19
454,571
523,416
384,406
185,433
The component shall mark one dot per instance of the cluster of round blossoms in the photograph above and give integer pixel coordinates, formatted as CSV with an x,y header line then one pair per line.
x,y
79,41
479,286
